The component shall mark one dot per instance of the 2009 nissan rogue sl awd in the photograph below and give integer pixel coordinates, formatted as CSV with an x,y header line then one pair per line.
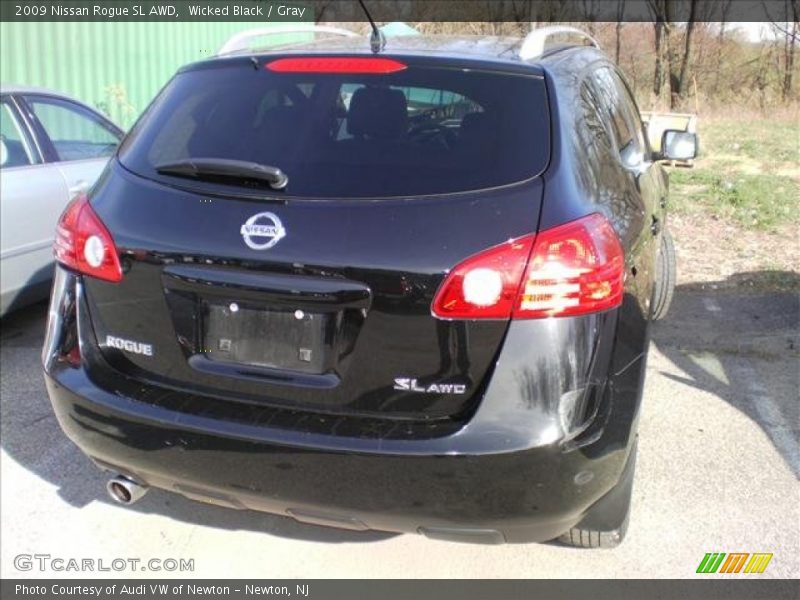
x,y
405,291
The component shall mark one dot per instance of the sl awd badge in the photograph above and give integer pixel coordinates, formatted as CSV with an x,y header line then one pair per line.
x,y
262,231
407,384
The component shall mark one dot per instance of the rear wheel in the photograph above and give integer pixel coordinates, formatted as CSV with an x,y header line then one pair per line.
x,y
666,273
606,523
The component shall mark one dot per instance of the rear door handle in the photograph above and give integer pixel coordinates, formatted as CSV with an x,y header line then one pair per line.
x,y
655,227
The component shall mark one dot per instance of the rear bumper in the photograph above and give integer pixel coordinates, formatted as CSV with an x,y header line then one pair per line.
x,y
532,495
508,475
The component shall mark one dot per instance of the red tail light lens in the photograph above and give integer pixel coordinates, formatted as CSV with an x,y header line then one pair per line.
x,y
573,269
485,285
84,244
334,64
576,268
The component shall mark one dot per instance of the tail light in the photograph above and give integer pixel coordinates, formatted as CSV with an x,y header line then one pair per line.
x,y
572,269
84,244
485,285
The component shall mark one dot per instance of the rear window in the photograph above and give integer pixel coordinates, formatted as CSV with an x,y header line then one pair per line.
x,y
419,131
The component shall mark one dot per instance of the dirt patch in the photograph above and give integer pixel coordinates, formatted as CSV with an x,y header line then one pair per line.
x,y
719,253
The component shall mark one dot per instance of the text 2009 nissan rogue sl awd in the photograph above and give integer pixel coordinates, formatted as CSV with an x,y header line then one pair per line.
x,y
407,291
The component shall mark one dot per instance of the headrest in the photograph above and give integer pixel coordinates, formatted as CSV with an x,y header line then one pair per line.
x,y
475,123
378,113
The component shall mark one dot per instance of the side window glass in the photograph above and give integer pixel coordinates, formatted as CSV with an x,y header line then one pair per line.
x,y
75,133
595,117
628,105
14,148
615,108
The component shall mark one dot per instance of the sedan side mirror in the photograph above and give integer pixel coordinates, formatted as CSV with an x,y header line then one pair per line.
x,y
3,153
678,145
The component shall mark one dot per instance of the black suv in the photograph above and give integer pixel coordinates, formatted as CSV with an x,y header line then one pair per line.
x,y
408,290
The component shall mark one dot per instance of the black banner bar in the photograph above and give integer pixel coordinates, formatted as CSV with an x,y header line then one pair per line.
x,y
262,11
337,589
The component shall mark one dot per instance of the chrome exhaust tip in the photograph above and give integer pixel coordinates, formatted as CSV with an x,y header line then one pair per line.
x,y
125,491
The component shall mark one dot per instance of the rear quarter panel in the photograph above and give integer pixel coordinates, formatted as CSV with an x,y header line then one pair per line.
x,y
585,177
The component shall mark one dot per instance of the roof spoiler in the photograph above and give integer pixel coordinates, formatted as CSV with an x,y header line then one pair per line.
x,y
535,42
241,41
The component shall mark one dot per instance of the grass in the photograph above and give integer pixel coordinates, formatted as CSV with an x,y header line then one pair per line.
x,y
748,172
763,200
753,138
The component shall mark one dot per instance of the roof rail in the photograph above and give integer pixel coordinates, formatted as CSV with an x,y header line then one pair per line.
x,y
534,43
241,41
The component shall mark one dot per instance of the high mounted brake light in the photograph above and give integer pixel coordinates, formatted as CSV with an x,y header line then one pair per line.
x,y
334,64
572,269
84,244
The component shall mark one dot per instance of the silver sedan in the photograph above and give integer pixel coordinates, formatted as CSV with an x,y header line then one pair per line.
x,y
52,148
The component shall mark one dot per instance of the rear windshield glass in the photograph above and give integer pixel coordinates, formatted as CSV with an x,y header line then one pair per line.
x,y
419,131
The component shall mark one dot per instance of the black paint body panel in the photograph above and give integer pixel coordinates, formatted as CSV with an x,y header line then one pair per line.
x,y
543,433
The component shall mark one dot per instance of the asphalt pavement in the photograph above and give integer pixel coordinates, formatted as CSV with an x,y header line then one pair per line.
x,y
718,469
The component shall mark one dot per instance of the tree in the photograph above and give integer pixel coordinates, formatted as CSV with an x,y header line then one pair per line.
x,y
671,55
620,15
659,10
725,6
678,75
790,31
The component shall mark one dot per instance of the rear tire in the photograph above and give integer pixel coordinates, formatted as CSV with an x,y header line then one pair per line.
x,y
666,274
606,523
